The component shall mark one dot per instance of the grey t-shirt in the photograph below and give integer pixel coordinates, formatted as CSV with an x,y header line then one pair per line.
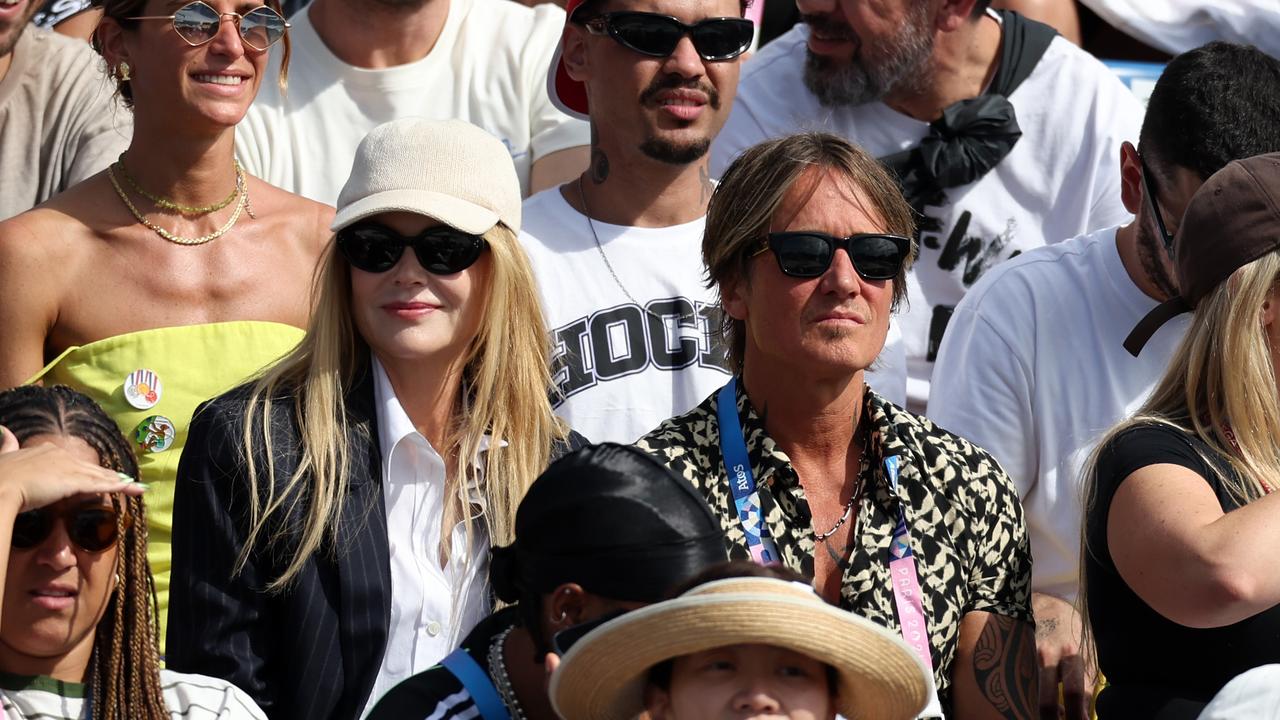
x,y
60,120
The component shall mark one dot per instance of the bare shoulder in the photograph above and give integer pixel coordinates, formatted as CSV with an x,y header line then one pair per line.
x,y
307,220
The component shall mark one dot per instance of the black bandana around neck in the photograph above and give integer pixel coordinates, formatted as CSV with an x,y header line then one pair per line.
x,y
975,134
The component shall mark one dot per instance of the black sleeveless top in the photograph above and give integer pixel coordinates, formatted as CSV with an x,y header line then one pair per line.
x,y
1155,667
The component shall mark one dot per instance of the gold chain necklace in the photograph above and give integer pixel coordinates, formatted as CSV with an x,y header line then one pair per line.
x,y
177,239
177,207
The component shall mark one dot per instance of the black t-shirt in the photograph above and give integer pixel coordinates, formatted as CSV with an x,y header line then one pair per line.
x,y
1155,667
436,693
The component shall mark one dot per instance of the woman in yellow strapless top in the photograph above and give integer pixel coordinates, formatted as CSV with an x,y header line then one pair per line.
x,y
171,276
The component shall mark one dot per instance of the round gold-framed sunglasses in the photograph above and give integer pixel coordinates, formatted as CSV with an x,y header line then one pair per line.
x,y
198,23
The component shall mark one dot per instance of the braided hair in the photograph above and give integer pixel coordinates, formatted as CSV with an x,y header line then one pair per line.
x,y
124,671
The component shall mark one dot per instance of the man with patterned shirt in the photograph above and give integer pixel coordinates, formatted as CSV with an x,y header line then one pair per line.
x,y
807,244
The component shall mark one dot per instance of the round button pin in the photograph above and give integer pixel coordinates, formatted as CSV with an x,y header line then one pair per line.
x,y
155,434
142,389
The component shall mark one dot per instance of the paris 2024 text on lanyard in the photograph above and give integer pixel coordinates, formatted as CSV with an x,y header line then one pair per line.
x,y
746,499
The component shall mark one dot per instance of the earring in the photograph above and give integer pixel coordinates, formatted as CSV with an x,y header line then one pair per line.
x,y
563,616
122,71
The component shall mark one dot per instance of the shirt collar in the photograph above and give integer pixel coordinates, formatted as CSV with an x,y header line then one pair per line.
x,y
770,463
394,424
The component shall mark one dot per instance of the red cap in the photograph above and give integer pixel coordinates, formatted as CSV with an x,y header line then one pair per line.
x,y
566,93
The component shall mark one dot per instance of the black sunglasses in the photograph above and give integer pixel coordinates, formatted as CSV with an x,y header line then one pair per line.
x,y
91,528
198,23
658,35
441,250
1150,184
808,254
565,639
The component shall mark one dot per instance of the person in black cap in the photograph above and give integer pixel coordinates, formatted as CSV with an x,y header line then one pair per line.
x,y
603,530
1181,585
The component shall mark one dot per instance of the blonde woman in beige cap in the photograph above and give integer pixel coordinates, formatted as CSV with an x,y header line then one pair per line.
x,y
338,511
740,648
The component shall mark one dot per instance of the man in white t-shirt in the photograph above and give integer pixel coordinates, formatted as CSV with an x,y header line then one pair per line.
x,y
941,92
360,63
617,251
1035,354
59,121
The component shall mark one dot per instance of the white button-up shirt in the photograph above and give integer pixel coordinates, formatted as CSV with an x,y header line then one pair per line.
x,y
432,607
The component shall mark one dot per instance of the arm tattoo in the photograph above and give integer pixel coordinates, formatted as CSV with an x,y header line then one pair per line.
x,y
1004,665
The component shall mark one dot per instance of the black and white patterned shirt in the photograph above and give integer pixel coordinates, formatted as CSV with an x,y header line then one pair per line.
x,y
967,530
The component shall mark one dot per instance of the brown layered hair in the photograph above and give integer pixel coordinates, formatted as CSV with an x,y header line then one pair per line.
x,y
744,204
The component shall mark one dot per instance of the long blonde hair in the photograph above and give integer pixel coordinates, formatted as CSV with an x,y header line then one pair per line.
x,y
505,395
1222,375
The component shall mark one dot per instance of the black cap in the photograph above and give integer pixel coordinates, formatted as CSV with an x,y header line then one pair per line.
x,y
612,519
1232,220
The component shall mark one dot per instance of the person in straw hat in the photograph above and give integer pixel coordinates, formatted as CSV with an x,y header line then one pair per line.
x,y
384,454
740,647
1182,590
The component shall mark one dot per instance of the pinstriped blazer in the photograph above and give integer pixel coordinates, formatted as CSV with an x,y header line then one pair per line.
x,y
313,650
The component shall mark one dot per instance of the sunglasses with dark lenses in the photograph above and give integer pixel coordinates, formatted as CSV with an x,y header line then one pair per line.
x,y
658,35
808,254
567,638
197,23
441,250
1150,185
91,528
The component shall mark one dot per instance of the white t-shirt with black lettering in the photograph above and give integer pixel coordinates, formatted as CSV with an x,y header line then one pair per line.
x,y
635,339
1061,180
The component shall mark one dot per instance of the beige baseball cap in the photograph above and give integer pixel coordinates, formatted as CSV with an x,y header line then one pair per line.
x,y
448,170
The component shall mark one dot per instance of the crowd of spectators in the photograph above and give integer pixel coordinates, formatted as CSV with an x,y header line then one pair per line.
x,y
607,359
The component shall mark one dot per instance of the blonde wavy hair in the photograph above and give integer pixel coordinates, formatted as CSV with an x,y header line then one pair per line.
x,y
1222,375
505,395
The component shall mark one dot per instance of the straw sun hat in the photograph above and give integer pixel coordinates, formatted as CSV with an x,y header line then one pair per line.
x,y
602,676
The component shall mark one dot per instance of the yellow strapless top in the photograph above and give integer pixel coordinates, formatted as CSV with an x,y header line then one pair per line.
x,y
150,383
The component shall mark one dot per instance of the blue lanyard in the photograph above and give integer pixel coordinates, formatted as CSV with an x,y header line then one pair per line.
x,y
737,467
477,683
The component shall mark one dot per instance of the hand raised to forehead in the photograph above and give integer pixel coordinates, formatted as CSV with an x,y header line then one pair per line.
x,y
33,477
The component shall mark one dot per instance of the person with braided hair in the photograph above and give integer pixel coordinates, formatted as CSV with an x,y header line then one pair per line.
x,y
77,623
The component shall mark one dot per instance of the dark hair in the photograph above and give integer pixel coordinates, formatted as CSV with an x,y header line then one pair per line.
x,y
660,674
122,10
124,671
612,519
980,8
752,190
1214,104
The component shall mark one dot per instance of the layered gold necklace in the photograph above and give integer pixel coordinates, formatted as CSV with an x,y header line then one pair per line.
x,y
239,195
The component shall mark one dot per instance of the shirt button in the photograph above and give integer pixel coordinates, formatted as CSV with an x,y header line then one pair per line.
x,y
433,628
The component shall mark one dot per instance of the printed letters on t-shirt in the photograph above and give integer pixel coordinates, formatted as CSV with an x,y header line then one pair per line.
x,y
623,340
